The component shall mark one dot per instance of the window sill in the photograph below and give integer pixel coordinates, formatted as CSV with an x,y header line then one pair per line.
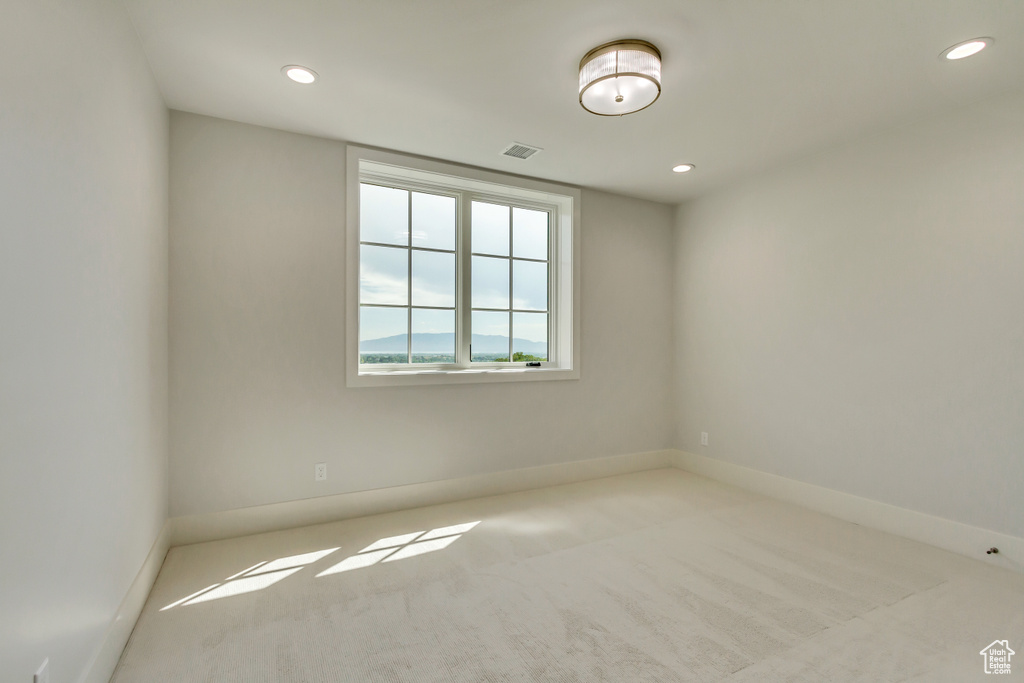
x,y
392,378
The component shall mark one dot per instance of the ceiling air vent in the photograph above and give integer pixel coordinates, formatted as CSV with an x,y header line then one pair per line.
x,y
518,150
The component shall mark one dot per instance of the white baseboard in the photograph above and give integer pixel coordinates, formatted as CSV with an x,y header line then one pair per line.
x,y
942,533
105,659
254,520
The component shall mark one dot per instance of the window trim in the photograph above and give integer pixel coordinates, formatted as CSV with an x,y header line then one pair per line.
x,y
377,166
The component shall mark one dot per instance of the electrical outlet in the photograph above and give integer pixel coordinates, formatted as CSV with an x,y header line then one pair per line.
x,y
43,674
320,472
703,438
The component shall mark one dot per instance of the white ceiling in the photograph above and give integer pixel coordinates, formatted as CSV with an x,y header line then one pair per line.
x,y
748,84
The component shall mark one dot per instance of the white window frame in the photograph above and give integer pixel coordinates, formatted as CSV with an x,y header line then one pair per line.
x,y
470,184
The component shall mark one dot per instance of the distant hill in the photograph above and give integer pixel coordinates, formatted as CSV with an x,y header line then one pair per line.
x,y
444,343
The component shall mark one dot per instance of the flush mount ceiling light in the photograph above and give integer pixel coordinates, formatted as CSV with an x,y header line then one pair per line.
x,y
683,168
299,74
966,48
620,77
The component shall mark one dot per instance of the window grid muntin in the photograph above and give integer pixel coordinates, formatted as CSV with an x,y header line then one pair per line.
x,y
410,190
463,243
511,258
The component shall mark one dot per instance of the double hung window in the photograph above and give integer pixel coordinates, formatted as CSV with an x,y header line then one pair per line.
x,y
458,275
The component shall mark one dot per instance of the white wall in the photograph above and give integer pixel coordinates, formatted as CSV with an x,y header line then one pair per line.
x,y
83,327
856,320
257,340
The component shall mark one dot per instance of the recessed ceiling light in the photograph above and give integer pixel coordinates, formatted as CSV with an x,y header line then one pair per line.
x,y
683,168
299,74
966,48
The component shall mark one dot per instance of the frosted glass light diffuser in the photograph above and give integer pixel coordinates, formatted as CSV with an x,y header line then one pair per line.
x,y
966,48
299,74
621,77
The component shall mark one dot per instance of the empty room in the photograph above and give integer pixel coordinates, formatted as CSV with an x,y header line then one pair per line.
x,y
457,340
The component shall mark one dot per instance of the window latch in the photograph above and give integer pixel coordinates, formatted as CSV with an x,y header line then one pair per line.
x,y
533,365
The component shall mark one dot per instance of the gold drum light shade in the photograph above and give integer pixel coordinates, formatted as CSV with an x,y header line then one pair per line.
x,y
620,77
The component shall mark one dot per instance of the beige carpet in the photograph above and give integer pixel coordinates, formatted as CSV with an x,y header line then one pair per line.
x,y
656,576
